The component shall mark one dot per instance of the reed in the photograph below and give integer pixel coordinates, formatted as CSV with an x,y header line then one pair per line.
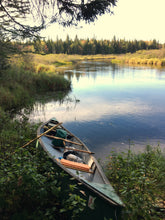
x,y
143,57
23,80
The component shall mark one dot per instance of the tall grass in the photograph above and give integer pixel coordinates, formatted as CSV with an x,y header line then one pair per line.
x,y
51,62
22,81
143,57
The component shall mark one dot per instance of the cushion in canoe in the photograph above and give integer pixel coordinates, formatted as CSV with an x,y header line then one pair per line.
x,y
75,165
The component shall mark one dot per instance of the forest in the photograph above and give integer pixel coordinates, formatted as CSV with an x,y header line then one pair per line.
x,y
86,46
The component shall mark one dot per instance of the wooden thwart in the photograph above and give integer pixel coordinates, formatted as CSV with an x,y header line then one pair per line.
x,y
74,149
66,140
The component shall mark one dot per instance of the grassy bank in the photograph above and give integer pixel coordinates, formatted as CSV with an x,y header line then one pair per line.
x,y
142,57
52,62
20,83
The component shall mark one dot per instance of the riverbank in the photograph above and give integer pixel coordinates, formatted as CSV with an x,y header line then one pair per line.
x,y
55,62
154,58
20,83
139,181
51,63
29,187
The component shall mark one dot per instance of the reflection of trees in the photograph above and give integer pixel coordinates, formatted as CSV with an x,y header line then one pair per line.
x,y
91,68
41,100
42,104
70,102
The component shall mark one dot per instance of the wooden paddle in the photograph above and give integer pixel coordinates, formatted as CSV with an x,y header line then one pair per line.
x,y
74,149
42,134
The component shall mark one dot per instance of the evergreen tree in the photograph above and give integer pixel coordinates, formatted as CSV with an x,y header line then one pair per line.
x,y
93,46
76,47
67,44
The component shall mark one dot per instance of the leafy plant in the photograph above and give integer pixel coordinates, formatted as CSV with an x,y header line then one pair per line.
x,y
31,186
139,180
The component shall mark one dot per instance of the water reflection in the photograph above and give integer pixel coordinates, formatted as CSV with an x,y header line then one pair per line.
x,y
110,105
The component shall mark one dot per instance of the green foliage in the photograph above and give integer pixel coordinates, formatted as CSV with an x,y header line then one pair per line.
x,y
31,186
73,201
139,179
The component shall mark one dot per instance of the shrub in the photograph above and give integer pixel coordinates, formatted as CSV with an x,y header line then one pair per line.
x,y
31,186
140,181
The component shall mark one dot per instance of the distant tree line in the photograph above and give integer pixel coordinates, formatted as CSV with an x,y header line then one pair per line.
x,y
89,46
86,47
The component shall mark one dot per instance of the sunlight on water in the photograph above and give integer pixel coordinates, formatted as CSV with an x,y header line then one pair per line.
x,y
110,105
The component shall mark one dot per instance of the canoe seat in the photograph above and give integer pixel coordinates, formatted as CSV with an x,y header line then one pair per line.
x,y
75,165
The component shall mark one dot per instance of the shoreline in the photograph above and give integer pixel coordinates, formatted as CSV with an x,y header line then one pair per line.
x,y
151,58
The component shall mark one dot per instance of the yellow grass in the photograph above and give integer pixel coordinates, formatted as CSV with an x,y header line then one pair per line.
x,y
50,63
64,58
143,57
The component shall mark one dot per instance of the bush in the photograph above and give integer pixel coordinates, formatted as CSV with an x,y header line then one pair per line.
x,y
139,179
31,186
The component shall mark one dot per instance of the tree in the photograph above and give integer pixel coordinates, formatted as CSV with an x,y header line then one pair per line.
x,y
67,44
13,14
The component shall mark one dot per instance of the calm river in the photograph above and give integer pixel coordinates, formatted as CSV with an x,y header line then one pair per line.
x,y
110,106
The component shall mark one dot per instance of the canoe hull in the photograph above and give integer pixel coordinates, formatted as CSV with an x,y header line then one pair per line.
x,y
101,200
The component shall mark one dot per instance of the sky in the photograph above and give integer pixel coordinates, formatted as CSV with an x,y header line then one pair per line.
x,y
132,19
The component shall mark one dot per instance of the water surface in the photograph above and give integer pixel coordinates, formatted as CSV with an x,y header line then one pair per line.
x,y
109,106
